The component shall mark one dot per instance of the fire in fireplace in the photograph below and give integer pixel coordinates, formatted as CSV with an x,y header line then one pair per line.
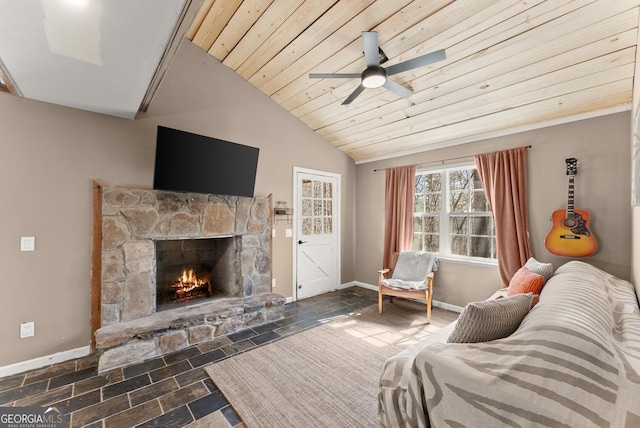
x,y
188,287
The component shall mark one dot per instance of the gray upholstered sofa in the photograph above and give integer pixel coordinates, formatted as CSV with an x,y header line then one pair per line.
x,y
573,360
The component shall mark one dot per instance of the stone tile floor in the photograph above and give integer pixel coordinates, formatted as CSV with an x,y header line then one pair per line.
x,y
168,391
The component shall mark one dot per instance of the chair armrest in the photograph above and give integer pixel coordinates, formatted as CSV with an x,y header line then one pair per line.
x,y
381,275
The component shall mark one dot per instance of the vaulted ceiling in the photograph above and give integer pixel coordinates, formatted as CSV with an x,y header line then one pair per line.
x,y
510,64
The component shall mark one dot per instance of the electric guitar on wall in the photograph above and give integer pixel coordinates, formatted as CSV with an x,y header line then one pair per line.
x,y
570,235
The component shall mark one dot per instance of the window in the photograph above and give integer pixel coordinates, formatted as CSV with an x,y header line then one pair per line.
x,y
451,214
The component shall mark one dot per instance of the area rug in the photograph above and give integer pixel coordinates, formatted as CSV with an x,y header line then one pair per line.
x,y
326,376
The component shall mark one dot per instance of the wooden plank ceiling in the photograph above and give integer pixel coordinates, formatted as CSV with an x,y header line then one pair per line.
x,y
510,64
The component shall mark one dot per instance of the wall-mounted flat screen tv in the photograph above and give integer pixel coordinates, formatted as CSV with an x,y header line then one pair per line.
x,y
187,162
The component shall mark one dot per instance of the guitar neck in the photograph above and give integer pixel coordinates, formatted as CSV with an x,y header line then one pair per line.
x,y
570,206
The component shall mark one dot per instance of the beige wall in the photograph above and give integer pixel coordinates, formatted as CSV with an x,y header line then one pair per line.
x,y
51,155
603,187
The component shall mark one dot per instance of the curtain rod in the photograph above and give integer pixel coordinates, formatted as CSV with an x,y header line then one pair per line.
x,y
442,161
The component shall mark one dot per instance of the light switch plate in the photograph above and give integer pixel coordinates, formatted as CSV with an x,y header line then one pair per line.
x,y
288,233
27,243
27,329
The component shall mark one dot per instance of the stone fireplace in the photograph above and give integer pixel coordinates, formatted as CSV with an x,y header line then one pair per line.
x,y
149,240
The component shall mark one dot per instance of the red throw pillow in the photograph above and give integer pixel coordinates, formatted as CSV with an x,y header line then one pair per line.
x,y
525,281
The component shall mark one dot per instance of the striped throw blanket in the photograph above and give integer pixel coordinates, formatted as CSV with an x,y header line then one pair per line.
x,y
573,362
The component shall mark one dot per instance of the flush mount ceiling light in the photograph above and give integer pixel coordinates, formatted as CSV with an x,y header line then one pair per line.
x,y
375,76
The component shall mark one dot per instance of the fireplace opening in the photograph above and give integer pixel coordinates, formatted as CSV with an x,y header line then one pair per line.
x,y
189,271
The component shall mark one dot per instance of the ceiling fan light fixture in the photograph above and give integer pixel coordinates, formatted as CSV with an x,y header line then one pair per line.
x,y
374,77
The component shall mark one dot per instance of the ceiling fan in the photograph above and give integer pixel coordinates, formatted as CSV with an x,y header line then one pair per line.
x,y
375,76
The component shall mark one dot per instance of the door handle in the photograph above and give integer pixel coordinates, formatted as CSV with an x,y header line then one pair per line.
x,y
302,242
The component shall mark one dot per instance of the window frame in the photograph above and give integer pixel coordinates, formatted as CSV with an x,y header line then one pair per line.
x,y
445,216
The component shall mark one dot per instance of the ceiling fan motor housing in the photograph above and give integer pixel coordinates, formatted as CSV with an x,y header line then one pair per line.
x,y
374,77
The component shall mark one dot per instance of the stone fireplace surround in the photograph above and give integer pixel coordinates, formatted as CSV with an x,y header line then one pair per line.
x,y
130,329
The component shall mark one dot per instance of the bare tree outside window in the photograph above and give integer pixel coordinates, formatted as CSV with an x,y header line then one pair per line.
x,y
467,229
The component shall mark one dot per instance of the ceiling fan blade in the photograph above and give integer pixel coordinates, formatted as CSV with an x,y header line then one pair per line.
x,y
353,95
420,61
334,75
371,49
397,89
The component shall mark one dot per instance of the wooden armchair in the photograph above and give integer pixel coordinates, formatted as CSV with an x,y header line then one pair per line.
x,y
412,278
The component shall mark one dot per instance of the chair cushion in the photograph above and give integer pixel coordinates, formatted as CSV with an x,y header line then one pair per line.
x,y
413,266
405,285
491,319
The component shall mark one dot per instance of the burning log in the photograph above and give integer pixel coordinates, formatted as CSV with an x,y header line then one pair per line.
x,y
188,287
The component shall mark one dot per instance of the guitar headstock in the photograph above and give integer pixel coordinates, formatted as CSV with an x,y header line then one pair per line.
x,y
572,166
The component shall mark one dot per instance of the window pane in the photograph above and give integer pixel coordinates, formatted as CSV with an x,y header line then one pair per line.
x,y
307,226
458,225
418,205
317,226
328,208
434,203
317,189
317,207
480,247
328,190
431,224
420,184
481,226
459,180
306,207
417,224
479,201
417,242
306,188
459,245
433,182
475,179
328,225
432,243
459,202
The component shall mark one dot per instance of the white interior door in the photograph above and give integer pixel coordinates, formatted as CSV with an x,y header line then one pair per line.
x,y
317,233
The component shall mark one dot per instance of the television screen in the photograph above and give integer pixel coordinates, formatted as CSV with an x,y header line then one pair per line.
x,y
187,162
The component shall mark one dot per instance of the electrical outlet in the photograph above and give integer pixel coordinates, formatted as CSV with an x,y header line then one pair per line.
x,y
27,329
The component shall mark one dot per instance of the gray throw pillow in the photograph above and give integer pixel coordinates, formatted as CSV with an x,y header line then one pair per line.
x,y
491,319
543,269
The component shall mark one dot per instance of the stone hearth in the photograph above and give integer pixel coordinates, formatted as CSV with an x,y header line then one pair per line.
x,y
133,220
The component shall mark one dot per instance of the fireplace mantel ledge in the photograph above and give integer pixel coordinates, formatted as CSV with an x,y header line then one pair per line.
x,y
120,333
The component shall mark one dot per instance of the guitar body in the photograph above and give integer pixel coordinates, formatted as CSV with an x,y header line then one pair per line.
x,y
570,237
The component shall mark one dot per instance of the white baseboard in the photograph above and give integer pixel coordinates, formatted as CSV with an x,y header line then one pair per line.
x,y
47,360
435,303
447,306
365,285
